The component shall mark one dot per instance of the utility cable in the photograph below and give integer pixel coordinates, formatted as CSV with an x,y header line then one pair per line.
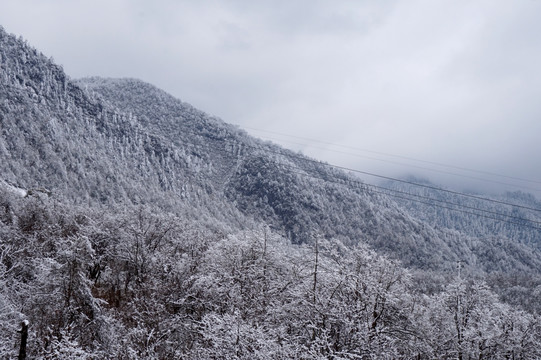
x,y
303,158
386,191
409,165
402,194
396,156
292,155
435,205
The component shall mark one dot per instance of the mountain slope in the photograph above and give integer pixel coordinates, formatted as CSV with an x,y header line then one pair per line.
x,y
57,136
471,214
134,226
296,194
302,197
102,141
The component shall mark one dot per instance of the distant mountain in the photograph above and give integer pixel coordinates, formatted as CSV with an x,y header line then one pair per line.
x,y
474,214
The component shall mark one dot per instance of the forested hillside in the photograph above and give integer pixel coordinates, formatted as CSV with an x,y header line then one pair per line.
x,y
134,284
471,214
298,195
133,225
499,229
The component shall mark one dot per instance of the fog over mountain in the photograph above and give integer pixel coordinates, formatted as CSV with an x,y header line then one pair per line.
x,y
134,225
449,82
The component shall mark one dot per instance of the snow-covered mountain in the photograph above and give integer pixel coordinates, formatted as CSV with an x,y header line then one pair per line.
x,y
513,215
112,141
139,185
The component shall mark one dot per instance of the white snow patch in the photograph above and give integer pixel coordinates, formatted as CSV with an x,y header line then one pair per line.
x,y
14,189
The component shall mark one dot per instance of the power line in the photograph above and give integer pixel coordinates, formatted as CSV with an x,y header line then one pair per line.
x,y
303,158
344,168
410,165
302,173
397,156
383,190
473,213
435,205
455,204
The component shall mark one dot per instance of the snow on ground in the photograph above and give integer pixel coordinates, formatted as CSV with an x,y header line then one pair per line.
x,y
14,189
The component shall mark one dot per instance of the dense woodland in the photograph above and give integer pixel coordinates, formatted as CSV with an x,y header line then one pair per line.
x,y
134,226
517,223
129,283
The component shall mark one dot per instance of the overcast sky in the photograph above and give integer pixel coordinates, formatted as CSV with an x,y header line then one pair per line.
x,y
453,82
